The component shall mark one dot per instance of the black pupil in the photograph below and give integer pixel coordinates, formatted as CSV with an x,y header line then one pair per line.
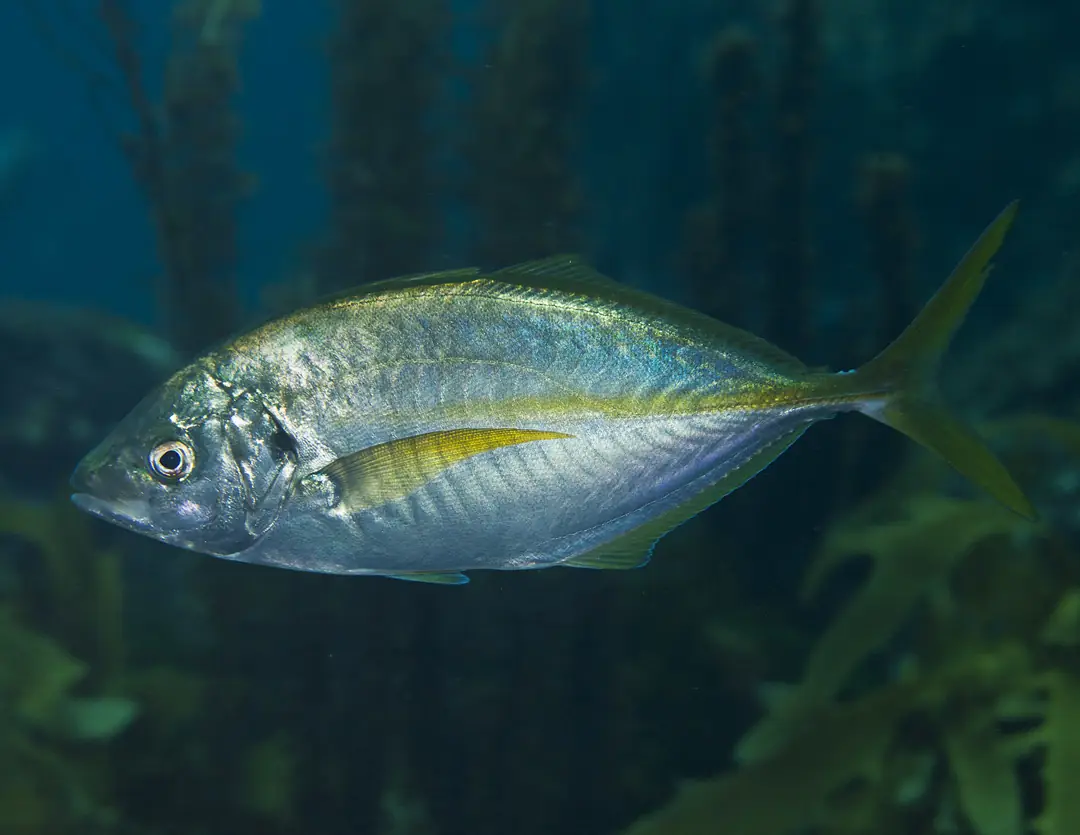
x,y
170,460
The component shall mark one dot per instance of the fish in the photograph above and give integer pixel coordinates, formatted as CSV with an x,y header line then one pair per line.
x,y
535,416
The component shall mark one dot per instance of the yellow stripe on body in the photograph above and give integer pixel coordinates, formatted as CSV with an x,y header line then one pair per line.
x,y
392,470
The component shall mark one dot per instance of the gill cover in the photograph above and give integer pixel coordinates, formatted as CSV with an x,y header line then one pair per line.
x,y
266,457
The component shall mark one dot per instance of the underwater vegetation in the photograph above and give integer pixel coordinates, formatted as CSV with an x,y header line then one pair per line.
x,y
381,180
968,726
859,645
58,709
182,154
54,357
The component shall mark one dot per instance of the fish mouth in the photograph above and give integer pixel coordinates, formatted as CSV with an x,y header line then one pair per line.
x,y
132,515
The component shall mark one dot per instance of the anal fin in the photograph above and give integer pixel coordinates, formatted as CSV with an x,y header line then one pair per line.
x,y
439,578
634,548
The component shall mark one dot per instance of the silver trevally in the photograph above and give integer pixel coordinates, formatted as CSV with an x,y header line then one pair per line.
x,y
536,416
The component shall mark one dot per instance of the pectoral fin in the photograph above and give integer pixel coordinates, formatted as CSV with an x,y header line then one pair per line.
x,y
389,471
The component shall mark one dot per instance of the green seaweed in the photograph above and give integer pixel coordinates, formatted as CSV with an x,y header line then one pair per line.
x,y
386,59
982,697
43,783
268,785
912,557
84,588
522,132
183,158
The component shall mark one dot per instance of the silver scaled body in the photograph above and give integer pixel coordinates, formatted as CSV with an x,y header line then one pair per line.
x,y
647,404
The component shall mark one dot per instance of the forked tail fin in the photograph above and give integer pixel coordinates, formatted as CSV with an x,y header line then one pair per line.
x,y
900,383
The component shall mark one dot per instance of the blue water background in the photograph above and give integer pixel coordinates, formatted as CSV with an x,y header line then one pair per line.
x,y
77,230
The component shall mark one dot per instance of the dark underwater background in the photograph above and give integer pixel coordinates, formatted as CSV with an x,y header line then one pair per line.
x,y
855,642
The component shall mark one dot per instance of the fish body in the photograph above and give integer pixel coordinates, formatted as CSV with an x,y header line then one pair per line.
x,y
540,415
641,413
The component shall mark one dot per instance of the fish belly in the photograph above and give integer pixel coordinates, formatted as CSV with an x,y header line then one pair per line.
x,y
534,504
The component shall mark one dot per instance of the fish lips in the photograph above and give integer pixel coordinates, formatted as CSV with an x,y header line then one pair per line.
x,y
128,512
131,514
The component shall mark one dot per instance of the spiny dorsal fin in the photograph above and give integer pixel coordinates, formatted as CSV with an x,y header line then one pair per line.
x,y
633,549
567,272
402,282
394,469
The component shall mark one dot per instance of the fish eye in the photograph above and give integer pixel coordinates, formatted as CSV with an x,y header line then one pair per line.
x,y
172,460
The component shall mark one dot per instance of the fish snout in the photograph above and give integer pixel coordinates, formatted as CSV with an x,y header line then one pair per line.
x,y
103,491
95,477
84,478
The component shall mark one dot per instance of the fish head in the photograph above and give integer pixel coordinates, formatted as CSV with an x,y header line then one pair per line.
x,y
195,465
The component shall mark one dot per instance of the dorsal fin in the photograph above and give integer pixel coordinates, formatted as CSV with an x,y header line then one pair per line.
x,y
567,272
570,274
403,282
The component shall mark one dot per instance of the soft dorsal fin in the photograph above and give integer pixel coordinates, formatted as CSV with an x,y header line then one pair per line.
x,y
396,468
570,274
566,273
633,549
